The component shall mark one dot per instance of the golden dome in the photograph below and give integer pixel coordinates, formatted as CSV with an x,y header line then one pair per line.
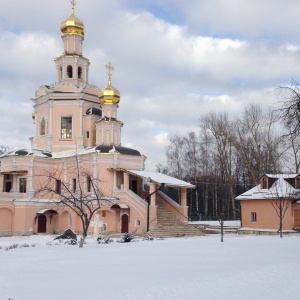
x,y
109,95
72,25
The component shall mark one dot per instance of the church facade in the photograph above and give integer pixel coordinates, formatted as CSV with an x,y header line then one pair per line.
x,y
76,124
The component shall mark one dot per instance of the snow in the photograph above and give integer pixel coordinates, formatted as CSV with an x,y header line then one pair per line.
x,y
235,223
281,188
242,267
162,178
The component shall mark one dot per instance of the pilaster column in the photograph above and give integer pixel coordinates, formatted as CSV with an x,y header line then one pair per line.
x,y
1,183
80,135
31,190
183,199
153,196
126,181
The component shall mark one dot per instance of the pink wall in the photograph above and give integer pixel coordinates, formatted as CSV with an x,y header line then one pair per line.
x,y
266,216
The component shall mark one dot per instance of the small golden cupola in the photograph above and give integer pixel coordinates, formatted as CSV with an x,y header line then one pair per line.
x,y
109,95
72,25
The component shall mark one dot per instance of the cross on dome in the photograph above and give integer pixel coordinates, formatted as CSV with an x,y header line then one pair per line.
x,y
110,68
73,2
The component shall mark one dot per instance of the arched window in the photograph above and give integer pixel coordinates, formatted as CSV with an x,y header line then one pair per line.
x,y
43,127
79,72
70,72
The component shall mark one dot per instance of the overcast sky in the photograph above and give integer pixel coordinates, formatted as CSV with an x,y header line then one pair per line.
x,y
174,60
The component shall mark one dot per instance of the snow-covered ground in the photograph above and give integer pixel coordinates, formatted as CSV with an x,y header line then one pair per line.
x,y
236,223
242,267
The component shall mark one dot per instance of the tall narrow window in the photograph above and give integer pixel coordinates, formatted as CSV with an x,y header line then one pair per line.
x,y
253,217
79,72
87,134
43,127
88,184
70,72
66,128
58,186
22,185
74,185
264,183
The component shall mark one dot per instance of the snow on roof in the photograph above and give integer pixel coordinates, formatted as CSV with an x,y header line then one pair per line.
x,y
162,178
70,153
280,189
285,176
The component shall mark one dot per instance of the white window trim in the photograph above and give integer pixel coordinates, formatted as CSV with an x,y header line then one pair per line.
x,y
19,179
60,135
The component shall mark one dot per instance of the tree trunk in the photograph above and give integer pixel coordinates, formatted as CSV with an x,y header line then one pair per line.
x,y
82,239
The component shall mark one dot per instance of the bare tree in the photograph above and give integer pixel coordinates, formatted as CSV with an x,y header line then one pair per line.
x,y
221,129
290,106
258,142
79,191
292,151
280,195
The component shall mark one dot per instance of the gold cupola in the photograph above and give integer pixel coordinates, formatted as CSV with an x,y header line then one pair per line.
x,y
72,25
109,95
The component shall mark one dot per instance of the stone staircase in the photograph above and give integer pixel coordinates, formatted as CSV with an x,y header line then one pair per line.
x,y
168,225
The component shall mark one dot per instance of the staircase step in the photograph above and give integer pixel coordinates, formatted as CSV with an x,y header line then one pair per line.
x,y
168,224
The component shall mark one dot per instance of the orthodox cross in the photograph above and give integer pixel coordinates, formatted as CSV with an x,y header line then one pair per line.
x,y
110,69
73,2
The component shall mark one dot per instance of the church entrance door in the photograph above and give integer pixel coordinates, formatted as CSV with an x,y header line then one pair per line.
x,y
42,222
124,223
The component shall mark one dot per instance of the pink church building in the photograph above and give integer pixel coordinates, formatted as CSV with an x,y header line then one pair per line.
x,y
75,122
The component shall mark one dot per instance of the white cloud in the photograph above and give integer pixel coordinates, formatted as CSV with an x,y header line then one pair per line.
x,y
197,58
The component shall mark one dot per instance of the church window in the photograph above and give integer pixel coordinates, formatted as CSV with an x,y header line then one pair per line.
x,y
74,185
264,183
104,214
137,223
66,128
87,134
22,185
70,72
253,217
88,184
43,127
58,186
79,72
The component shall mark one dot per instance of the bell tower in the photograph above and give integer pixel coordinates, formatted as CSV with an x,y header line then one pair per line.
x,y
71,66
65,112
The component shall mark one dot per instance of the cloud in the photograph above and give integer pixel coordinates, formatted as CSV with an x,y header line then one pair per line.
x,y
174,62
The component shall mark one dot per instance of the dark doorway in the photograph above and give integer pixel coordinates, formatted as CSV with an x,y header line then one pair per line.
x,y
42,222
7,186
124,223
133,186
